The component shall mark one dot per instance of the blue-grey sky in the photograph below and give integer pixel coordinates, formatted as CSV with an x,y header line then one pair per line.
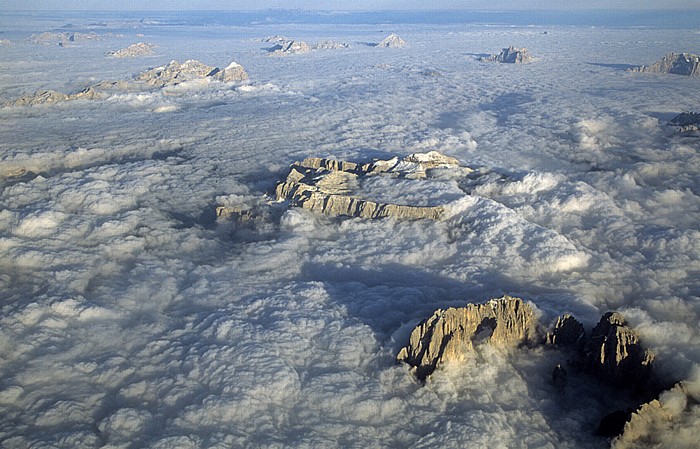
x,y
36,5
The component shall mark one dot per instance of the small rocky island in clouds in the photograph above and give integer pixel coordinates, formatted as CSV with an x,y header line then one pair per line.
x,y
391,41
510,55
134,50
171,74
687,64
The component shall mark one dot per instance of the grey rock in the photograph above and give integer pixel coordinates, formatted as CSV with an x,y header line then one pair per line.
x,y
687,64
510,55
686,121
330,45
614,353
392,41
134,50
449,335
327,186
43,97
290,48
175,73
567,333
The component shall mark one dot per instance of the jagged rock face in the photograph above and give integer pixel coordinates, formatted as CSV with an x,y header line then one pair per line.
x,y
449,335
134,50
42,97
687,64
686,121
291,48
392,41
614,353
327,185
62,39
276,38
175,73
510,55
567,333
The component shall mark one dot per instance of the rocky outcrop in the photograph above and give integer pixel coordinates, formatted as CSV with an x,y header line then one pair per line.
x,y
449,335
510,55
134,50
687,64
175,73
290,48
330,45
62,39
613,353
686,121
278,38
392,41
42,97
567,333
330,186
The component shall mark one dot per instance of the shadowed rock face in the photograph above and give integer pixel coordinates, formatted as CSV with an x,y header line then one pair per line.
x,y
510,55
567,333
687,64
327,186
291,48
686,121
449,335
613,353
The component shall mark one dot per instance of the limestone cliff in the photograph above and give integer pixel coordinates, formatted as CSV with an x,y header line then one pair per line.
x,y
449,335
510,55
175,73
687,64
330,186
613,353
134,50
392,41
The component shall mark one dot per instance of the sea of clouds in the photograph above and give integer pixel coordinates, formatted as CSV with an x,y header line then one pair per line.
x,y
132,317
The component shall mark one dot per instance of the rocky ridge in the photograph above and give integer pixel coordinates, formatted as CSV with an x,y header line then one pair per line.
x,y
612,354
510,55
392,41
687,64
327,186
171,74
62,39
133,50
686,121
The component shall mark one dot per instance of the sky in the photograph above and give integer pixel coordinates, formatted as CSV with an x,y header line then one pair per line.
x,y
107,5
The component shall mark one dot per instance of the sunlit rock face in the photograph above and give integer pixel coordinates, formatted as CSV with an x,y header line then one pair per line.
x,y
613,353
687,64
332,187
290,48
392,41
43,97
175,73
134,50
449,335
510,55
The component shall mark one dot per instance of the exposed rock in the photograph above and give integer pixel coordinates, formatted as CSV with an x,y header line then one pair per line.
x,y
392,41
449,335
330,45
134,50
62,39
5,42
510,55
290,48
329,186
559,377
51,96
614,354
687,64
687,121
175,73
567,333
655,423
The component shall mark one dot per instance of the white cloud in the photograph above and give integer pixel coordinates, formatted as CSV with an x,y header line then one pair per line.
x,y
132,318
